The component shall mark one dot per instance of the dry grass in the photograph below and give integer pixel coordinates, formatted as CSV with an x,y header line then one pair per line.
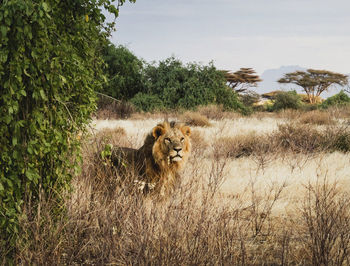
x,y
258,198
217,112
199,143
195,119
113,109
113,136
289,114
243,145
316,117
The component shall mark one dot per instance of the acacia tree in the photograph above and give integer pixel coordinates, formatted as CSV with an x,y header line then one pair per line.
x,y
50,68
314,82
242,79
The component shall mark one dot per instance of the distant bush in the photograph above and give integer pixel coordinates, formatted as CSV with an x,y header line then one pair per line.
x,y
309,107
188,86
147,102
300,138
287,100
339,99
230,101
240,145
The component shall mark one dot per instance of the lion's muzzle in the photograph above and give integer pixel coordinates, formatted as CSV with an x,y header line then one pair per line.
x,y
176,154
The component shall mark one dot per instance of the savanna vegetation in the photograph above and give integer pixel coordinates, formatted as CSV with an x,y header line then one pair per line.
x,y
50,69
266,184
260,189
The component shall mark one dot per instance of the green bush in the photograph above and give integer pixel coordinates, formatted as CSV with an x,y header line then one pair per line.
x,y
186,87
287,100
50,67
147,102
230,102
339,99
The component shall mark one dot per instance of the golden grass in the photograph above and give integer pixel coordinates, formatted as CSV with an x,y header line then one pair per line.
x,y
283,201
316,117
217,112
195,119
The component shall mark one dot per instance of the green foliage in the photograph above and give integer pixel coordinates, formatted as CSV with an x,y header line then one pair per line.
x,y
339,99
147,102
287,100
50,67
230,102
124,72
179,86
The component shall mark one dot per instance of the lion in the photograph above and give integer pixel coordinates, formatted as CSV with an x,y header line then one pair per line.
x,y
157,163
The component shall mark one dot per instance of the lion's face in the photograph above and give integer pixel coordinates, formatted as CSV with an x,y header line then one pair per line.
x,y
172,144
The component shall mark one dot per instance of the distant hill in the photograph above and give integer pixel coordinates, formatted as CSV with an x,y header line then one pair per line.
x,y
270,77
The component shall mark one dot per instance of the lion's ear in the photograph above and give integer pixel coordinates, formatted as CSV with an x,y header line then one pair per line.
x,y
186,130
158,131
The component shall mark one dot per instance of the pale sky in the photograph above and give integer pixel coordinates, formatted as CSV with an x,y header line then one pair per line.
x,y
261,34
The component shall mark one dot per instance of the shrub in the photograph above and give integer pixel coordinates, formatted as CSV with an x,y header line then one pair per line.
x,y
300,138
187,87
50,68
309,107
217,112
244,145
147,102
230,101
340,99
211,111
316,117
337,138
286,100
48,78
195,119
325,214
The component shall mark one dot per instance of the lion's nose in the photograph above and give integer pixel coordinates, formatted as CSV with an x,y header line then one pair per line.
x,y
177,149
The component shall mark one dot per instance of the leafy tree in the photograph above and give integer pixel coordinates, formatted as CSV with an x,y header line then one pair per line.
x,y
287,100
50,66
314,82
180,86
339,99
124,72
242,79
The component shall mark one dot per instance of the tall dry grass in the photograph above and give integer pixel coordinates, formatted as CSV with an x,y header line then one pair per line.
x,y
242,201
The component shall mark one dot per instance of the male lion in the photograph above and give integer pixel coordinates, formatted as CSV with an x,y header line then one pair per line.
x,y
157,163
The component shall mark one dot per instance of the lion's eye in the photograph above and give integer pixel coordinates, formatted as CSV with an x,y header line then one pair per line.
x,y
167,140
182,139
